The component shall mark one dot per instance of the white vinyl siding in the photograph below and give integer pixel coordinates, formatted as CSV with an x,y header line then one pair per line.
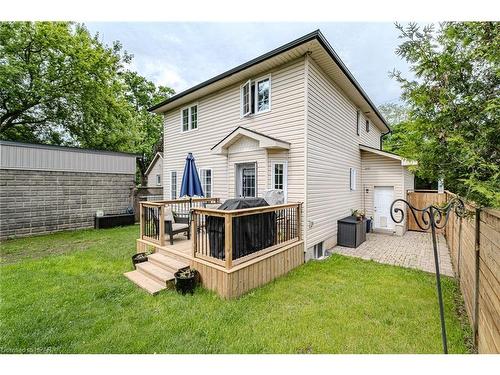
x,y
220,114
156,169
332,148
409,180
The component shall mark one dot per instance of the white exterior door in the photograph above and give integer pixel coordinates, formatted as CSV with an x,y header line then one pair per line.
x,y
383,198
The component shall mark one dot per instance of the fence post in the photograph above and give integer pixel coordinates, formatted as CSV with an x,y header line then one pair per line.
x,y
161,225
476,281
228,240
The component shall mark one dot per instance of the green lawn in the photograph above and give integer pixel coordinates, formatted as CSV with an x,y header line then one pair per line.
x,y
65,293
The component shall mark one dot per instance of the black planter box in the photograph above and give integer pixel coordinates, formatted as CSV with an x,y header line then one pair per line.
x,y
351,232
110,221
186,285
139,258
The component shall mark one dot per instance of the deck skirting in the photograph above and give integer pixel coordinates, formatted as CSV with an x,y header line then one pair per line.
x,y
240,279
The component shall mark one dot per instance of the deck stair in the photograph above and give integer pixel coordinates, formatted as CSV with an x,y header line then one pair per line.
x,y
157,273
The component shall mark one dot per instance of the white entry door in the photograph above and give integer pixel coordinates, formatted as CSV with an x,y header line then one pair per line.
x,y
383,198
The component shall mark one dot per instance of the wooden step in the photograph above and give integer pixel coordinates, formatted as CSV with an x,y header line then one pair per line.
x,y
145,282
167,263
155,272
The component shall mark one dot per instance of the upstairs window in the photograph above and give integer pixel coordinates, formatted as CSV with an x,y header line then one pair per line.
x,y
189,118
255,96
158,179
367,126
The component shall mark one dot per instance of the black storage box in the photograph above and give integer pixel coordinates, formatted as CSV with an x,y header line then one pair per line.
x,y
110,221
251,233
351,232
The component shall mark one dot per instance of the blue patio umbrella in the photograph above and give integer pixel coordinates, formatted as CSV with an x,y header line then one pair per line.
x,y
191,184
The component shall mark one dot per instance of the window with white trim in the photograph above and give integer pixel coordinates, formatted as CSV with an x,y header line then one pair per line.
x,y
206,181
158,179
189,118
173,184
279,176
255,96
352,178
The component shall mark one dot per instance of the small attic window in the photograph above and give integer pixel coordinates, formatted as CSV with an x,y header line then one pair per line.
x,y
367,123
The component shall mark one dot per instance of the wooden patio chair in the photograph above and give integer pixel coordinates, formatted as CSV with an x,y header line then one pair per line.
x,y
175,224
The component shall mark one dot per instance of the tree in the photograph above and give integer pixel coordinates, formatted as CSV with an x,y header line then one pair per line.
x,y
60,85
453,128
397,116
143,94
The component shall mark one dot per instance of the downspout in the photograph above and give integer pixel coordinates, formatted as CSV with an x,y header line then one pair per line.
x,y
305,219
382,137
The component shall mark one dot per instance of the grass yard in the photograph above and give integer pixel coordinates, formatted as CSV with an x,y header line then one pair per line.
x,y
65,293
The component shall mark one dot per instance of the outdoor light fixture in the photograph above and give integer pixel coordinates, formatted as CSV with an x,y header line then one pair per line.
x,y
433,218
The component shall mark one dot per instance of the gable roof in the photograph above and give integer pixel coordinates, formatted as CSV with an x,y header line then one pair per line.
x,y
158,155
315,44
264,140
404,162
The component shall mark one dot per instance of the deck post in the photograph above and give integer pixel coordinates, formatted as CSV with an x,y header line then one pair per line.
x,y
161,225
228,240
141,220
299,220
194,232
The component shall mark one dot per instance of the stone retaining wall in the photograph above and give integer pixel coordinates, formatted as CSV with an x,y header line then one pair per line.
x,y
38,202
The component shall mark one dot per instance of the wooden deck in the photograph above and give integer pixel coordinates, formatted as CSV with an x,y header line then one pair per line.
x,y
235,270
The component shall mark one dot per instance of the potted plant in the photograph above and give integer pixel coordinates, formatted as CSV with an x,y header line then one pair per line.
x,y
139,258
185,280
356,214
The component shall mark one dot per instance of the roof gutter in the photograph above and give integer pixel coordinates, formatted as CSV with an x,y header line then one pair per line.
x,y
304,39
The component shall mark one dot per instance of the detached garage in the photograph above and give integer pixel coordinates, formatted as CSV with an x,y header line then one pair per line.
x,y
45,189
385,177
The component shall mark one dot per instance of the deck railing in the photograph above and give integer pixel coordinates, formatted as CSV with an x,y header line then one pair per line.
x,y
229,238
152,215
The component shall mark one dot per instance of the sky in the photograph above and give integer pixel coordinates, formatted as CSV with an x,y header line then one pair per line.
x,y
181,55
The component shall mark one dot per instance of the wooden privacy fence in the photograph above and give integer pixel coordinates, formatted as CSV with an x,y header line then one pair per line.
x,y
474,245
421,199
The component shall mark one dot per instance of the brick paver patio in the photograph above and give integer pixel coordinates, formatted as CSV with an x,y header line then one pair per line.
x,y
413,250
